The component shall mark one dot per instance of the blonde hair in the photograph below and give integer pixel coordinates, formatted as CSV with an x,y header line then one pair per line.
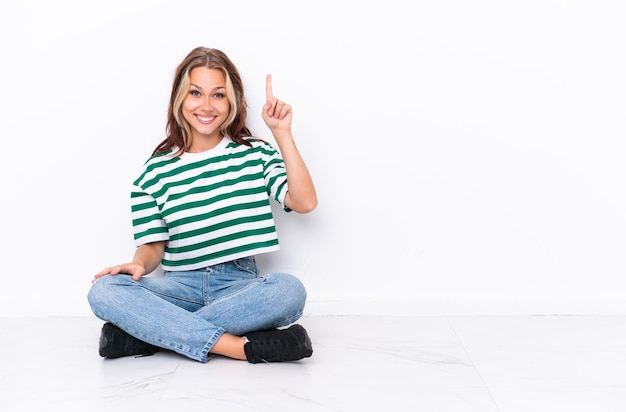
x,y
178,129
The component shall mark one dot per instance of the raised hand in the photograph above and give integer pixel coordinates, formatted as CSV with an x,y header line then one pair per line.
x,y
276,113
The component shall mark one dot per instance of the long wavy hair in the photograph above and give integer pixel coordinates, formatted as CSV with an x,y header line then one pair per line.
x,y
178,130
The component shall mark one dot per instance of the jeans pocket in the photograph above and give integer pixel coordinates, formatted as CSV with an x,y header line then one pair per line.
x,y
247,264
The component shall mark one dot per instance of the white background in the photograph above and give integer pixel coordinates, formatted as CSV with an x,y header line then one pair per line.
x,y
469,156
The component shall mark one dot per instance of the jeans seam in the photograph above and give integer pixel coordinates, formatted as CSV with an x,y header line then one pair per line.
x,y
204,355
238,291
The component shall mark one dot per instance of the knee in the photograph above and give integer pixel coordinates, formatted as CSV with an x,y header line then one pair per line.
x,y
102,292
96,294
293,293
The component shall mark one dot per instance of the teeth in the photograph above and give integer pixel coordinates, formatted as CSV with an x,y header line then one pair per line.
x,y
205,119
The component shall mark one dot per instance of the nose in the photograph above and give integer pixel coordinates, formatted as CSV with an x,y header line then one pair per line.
x,y
206,102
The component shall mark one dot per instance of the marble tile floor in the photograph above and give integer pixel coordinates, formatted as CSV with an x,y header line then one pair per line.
x,y
360,363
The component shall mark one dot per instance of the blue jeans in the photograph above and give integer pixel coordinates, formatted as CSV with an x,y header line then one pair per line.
x,y
188,311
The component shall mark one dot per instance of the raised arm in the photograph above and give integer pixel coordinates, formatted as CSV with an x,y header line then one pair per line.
x,y
277,115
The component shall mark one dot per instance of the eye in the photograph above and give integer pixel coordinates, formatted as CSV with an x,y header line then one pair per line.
x,y
219,95
194,92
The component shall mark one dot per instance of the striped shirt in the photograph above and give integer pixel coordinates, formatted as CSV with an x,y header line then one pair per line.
x,y
209,207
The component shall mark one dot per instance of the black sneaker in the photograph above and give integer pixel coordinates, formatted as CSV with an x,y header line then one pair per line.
x,y
115,343
278,345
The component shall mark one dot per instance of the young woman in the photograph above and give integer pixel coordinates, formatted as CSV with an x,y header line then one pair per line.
x,y
201,210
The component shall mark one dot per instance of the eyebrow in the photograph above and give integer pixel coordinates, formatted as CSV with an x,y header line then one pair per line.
x,y
215,88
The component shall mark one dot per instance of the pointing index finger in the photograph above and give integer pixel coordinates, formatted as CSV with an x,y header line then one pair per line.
x,y
268,87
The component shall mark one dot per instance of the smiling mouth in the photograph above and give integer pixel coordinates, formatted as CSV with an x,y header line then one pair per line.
x,y
205,119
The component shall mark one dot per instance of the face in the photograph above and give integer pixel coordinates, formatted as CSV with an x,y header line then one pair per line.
x,y
206,107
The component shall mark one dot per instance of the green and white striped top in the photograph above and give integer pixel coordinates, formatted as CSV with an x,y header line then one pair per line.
x,y
210,207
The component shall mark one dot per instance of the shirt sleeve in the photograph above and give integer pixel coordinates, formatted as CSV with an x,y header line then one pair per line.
x,y
275,175
148,224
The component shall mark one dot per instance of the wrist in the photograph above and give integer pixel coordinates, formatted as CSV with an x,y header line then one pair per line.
x,y
282,136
